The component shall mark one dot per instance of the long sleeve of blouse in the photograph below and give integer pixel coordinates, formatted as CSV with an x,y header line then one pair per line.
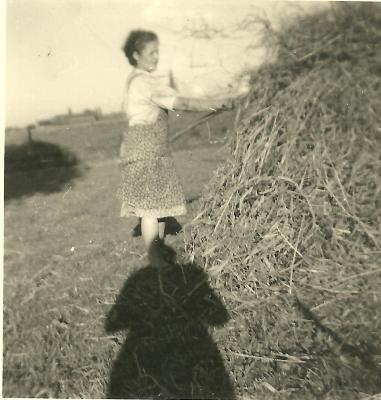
x,y
144,96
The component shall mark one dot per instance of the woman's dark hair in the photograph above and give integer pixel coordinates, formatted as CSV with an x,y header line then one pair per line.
x,y
136,41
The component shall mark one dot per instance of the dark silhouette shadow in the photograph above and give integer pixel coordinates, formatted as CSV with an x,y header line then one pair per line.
x,y
38,167
168,352
172,227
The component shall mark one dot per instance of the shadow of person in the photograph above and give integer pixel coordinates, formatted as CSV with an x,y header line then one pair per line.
x,y
168,351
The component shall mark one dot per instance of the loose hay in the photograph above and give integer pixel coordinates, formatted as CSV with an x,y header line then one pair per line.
x,y
289,228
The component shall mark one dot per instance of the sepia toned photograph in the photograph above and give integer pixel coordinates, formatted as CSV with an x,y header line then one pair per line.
x,y
192,200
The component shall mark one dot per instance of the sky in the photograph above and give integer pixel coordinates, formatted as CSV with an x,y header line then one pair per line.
x,y
67,53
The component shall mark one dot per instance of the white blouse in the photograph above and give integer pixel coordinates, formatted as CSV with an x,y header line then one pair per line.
x,y
144,96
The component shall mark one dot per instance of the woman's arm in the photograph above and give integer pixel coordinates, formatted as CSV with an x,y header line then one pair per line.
x,y
224,99
192,104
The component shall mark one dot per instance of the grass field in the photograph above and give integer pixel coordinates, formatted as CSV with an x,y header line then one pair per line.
x,y
67,255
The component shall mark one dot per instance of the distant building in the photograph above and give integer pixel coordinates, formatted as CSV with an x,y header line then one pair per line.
x,y
87,116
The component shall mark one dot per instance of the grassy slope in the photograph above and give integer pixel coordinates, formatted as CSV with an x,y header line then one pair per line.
x,y
67,254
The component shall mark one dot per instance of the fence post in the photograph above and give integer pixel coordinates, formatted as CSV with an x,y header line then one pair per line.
x,y
30,139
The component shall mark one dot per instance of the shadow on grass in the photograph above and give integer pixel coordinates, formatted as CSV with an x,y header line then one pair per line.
x,y
39,167
369,376
168,352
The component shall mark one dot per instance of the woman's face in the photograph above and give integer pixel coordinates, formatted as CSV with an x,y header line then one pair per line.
x,y
148,58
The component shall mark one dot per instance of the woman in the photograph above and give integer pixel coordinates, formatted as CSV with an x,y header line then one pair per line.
x,y
149,186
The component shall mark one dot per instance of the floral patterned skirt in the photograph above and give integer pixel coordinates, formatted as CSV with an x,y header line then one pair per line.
x,y
149,185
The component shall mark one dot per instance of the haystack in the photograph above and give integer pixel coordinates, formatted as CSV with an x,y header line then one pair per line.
x,y
289,227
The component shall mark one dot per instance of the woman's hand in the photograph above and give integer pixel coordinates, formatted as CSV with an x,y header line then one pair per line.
x,y
244,85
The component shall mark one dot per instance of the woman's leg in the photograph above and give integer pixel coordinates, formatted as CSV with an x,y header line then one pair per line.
x,y
162,229
150,233
168,253
150,230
